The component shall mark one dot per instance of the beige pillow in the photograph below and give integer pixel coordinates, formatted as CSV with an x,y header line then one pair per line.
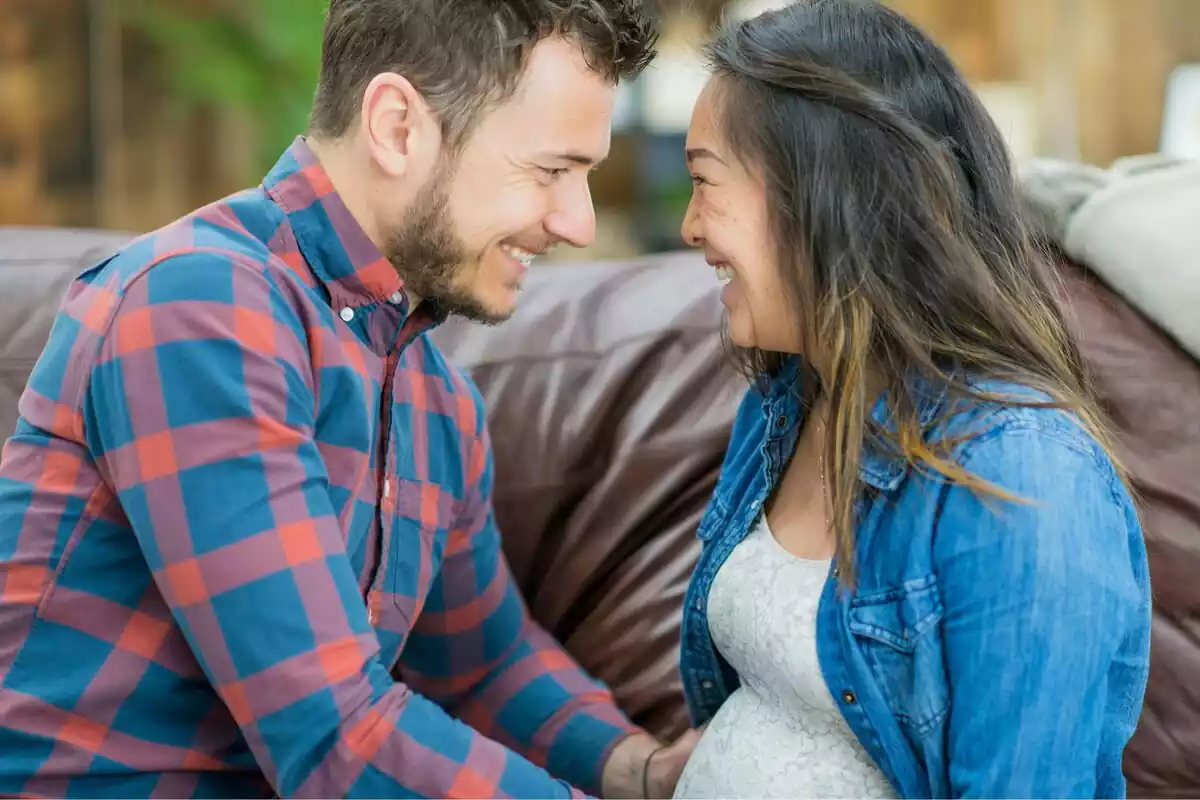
x,y
1140,233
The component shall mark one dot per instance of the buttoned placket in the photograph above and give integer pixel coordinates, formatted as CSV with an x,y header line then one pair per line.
x,y
407,330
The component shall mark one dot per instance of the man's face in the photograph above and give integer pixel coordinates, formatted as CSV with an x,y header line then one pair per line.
x,y
517,186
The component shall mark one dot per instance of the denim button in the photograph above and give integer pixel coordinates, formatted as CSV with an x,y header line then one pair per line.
x,y
781,422
848,698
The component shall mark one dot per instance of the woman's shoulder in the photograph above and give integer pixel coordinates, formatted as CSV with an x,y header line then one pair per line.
x,y
1017,446
1011,420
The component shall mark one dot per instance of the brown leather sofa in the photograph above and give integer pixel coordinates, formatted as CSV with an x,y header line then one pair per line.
x,y
610,405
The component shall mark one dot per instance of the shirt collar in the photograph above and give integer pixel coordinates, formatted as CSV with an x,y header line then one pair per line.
x,y
880,466
334,244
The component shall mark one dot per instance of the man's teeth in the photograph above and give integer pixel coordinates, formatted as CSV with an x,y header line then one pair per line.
x,y
524,256
724,274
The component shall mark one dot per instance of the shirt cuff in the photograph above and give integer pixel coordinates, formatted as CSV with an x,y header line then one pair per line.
x,y
583,746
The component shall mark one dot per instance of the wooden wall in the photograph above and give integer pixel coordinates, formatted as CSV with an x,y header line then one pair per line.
x,y
45,163
86,138
1097,69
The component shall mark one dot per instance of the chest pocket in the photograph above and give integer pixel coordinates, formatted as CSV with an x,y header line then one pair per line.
x,y
422,515
899,633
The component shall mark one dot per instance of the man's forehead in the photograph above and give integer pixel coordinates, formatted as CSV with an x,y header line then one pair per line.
x,y
562,108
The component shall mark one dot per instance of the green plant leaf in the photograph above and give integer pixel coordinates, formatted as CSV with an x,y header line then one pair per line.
x,y
260,58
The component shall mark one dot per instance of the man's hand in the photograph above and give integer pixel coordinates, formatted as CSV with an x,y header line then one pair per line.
x,y
667,764
641,762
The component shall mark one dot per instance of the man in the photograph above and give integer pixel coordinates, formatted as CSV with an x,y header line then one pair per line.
x,y
246,536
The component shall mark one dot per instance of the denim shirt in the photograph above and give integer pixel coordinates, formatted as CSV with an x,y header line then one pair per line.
x,y
988,648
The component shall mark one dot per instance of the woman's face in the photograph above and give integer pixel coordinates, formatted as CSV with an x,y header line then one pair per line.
x,y
727,219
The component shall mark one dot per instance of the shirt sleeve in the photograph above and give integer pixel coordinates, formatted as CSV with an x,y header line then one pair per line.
x,y
200,413
476,650
1046,619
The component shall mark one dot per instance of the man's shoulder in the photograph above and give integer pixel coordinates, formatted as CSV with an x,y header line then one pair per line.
x,y
233,251
241,229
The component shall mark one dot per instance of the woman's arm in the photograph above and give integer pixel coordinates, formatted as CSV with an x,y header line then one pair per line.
x,y
1046,619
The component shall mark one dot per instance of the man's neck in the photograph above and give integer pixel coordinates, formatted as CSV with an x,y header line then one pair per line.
x,y
337,159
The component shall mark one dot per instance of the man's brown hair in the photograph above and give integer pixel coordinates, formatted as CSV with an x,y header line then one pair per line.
x,y
465,55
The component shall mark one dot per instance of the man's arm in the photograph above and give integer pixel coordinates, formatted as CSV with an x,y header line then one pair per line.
x,y
200,413
476,650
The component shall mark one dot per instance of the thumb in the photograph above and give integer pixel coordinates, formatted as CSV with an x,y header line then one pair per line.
x,y
688,740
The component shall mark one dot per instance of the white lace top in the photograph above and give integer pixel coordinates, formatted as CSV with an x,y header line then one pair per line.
x,y
780,734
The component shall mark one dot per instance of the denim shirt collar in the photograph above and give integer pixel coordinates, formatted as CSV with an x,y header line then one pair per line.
x,y
878,467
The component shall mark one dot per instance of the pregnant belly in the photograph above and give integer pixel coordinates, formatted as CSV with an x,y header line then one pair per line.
x,y
757,747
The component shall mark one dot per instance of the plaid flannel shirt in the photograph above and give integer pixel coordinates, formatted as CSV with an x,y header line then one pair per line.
x,y
246,536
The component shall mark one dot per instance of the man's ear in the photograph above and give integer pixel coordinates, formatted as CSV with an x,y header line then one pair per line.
x,y
399,127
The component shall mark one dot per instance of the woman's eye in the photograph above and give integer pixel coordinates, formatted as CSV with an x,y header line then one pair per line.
x,y
698,181
554,173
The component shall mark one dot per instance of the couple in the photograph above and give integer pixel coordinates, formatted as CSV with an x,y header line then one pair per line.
x,y
246,538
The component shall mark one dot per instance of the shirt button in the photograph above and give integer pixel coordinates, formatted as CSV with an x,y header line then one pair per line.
x,y
706,684
848,698
346,314
397,298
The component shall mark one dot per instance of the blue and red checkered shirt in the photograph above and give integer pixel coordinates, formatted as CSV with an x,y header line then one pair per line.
x,y
246,536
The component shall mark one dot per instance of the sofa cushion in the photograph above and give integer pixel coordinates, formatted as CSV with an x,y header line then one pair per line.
x,y
1135,226
610,404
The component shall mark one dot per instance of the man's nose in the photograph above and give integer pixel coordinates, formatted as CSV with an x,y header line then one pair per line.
x,y
573,219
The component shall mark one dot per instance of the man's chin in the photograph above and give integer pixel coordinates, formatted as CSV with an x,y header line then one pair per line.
x,y
485,316
489,311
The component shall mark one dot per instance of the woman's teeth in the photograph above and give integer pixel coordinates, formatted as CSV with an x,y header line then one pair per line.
x,y
524,256
724,274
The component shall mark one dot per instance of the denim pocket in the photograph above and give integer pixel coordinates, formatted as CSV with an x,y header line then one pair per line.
x,y
899,633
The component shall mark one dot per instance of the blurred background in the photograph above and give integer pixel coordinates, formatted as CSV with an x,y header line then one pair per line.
x,y
129,113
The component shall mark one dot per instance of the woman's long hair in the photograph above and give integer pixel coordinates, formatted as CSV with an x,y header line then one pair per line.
x,y
900,240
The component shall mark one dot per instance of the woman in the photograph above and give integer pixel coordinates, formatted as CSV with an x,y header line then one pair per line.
x,y
922,572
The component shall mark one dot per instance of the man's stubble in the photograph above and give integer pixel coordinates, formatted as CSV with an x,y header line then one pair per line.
x,y
430,256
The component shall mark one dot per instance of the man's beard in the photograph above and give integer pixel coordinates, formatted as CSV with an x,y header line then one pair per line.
x,y
428,253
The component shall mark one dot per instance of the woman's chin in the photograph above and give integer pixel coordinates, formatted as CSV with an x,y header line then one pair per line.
x,y
740,334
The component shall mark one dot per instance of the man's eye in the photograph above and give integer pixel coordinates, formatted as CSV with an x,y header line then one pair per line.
x,y
554,172
698,181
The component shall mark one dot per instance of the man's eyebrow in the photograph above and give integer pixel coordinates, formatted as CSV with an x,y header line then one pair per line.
x,y
573,157
694,153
